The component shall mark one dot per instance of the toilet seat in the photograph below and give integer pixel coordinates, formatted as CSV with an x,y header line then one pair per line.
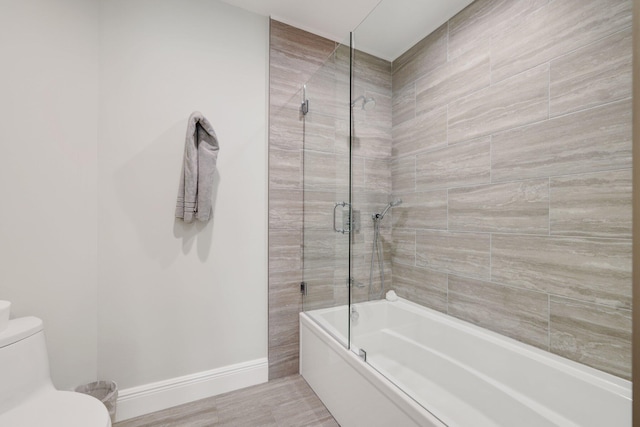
x,y
53,408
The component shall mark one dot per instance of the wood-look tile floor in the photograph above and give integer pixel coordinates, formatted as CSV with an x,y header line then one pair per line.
x,y
284,402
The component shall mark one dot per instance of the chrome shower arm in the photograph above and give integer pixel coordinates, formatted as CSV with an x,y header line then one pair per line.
x,y
393,204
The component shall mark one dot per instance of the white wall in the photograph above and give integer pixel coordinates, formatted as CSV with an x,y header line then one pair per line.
x,y
176,298
94,98
48,143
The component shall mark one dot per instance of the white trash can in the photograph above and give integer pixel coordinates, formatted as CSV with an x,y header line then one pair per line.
x,y
104,391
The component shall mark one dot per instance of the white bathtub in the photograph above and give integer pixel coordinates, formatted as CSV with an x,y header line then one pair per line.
x,y
435,370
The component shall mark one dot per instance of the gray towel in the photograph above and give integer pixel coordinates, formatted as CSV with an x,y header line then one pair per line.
x,y
196,182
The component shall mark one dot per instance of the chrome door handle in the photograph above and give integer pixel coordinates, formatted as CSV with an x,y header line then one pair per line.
x,y
335,228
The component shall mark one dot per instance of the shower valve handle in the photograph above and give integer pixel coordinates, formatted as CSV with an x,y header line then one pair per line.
x,y
335,228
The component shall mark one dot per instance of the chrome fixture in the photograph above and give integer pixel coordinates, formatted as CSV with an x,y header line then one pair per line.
x,y
354,314
345,228
377,250
393,204
304,108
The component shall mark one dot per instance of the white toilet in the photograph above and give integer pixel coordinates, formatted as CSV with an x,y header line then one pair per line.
x,y
27,395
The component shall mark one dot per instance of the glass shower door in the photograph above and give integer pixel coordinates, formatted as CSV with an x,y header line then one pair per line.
x,y
327,223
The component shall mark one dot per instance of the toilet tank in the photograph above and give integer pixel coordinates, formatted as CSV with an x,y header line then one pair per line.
x,y
24,362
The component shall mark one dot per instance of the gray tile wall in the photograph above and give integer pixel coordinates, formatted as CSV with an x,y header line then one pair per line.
x,y
509,142
512,152
301,199
326,182
295,56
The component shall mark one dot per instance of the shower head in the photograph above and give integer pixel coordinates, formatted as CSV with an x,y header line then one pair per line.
x,y
390,205
368,103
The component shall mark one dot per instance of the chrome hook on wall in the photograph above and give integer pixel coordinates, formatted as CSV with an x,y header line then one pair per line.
x,y
304,108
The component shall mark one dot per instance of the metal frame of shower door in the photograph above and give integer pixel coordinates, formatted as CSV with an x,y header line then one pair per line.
x,y
635,368
351,124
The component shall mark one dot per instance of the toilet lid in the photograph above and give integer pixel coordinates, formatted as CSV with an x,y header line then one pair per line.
x,y
55,408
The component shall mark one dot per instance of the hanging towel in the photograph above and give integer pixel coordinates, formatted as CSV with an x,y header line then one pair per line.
x,y
196,182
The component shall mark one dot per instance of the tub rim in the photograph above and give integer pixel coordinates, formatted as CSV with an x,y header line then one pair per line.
x,y
619,388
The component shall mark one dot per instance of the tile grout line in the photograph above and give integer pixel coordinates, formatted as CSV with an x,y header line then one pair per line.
x,y
581,110
524,288
514,181
517,234
599,40
518,127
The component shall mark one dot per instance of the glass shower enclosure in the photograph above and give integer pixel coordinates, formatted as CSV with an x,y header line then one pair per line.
x,y
347,209
328,223
457,173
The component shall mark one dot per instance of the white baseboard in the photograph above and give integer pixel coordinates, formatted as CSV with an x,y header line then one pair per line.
x,y
141,400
